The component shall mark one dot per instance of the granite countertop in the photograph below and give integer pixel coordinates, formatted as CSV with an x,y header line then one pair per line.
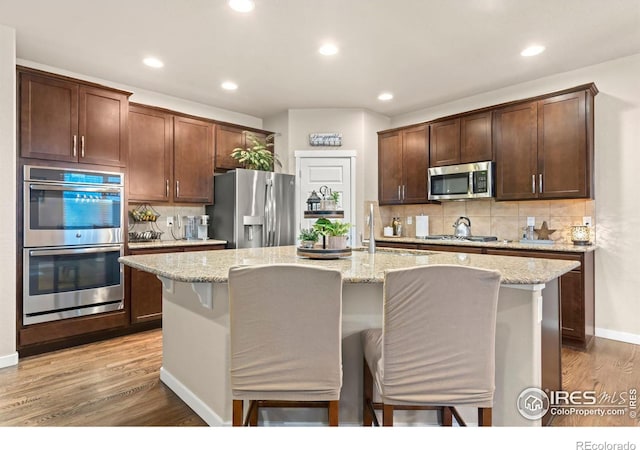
x,y
173,243
513,245
360,267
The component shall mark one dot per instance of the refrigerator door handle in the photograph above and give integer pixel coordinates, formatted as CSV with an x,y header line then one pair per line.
x,y
267,216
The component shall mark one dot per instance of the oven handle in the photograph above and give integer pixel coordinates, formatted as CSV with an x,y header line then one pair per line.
x,y
74,251
65,187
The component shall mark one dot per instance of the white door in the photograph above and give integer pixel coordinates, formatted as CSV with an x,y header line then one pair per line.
x,y
337,174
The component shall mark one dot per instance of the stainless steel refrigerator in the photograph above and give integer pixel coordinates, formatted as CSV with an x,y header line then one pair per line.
x,y
253,208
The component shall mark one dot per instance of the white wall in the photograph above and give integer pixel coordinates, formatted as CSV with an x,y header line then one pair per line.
x,y
617,184
279,124
158,99
359,132
8,355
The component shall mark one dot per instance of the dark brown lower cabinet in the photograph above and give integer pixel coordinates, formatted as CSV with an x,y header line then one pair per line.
x,y
145,289
576,288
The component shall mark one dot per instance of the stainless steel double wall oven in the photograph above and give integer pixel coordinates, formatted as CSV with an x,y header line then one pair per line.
x,y
73,237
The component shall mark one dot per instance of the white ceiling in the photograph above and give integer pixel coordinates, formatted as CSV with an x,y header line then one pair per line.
x,y
424,51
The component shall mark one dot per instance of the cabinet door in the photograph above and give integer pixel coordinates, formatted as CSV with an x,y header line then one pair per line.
x,y
562,147
415,164
149,154
516,151
146,296
475,138
48,118
571,293
389,168
192,160
228,138
102,122
444,146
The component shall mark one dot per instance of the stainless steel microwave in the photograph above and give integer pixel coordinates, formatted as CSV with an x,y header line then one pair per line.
x,y
461,181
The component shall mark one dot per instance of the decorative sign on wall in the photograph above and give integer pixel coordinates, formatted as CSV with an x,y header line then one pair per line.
x,y
325,139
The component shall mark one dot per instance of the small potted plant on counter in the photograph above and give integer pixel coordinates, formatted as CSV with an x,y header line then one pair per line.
x,y
308,237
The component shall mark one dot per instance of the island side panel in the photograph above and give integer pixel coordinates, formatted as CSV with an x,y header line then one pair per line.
x,y
195,356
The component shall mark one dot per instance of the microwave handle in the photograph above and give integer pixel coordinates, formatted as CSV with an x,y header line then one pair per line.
x,y
470,184
74,251
66,187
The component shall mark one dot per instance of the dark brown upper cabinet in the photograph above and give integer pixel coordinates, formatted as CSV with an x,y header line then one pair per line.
x,y
403,160
544,148
171,157
150,155
193,160
62,119
461,139
229,138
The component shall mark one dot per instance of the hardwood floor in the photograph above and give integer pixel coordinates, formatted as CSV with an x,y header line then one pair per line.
x,y
116,383
109,383
608,367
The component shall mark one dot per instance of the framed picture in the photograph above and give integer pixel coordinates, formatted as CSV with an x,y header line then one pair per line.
x,y
325,139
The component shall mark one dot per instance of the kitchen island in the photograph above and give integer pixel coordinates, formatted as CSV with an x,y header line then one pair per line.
x,y
196,325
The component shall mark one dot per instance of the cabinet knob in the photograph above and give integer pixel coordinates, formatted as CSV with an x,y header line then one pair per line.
x,y
82,146
533,183
167,189
75,145
177,188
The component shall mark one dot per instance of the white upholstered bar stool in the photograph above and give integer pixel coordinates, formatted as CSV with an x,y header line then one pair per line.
x,y
285,322
436,349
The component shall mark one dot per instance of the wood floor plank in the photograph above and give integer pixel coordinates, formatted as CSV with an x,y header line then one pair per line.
x,y
116,383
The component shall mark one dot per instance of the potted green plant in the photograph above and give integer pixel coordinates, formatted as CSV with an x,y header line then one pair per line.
x,y
308,237
336,233
257,154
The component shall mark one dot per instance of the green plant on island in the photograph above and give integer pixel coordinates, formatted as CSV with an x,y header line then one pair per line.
x,y
325,227
257,154
309,234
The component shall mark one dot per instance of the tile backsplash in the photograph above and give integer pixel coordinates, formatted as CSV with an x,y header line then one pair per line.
x,y
161,224
506,220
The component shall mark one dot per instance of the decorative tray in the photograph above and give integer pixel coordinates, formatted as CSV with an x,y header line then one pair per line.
x,y
324,253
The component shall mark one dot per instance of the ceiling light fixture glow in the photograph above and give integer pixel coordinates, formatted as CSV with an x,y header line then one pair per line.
x,y
153,62
328,49
229,86
385,96
532,50
242,5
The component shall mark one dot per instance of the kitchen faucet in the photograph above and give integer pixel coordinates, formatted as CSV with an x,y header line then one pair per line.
x,y
372,239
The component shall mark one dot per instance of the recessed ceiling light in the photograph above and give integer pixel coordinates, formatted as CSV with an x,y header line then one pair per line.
x,y
532,50
385,96
153,62
328,49
242,5
229,86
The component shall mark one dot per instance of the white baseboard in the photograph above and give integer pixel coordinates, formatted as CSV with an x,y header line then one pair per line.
x,y
200,408
618,336
9,360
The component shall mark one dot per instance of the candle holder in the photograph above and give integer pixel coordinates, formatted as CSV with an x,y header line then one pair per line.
x,y
580,235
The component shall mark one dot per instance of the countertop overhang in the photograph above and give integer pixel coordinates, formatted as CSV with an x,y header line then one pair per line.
x,y
360,267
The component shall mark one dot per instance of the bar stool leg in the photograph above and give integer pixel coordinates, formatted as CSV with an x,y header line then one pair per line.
x,y
387,416
334,407
484,417
237,413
